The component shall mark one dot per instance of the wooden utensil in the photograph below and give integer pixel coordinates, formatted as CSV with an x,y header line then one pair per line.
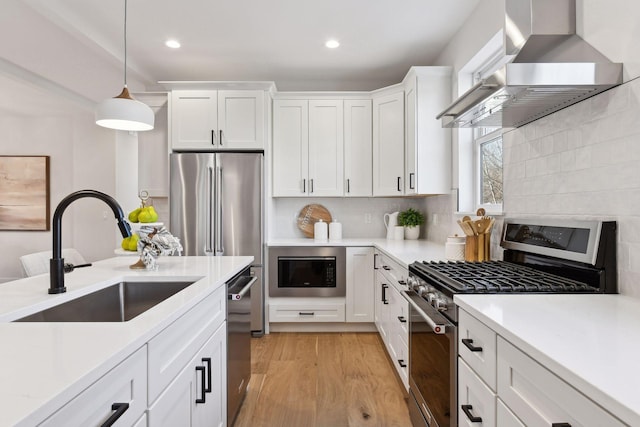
x,y
309,215
466,228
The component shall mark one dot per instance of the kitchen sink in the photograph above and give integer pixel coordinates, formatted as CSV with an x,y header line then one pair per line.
x,y
116,303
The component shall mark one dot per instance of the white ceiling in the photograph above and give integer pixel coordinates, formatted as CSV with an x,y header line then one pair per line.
x,y
274,40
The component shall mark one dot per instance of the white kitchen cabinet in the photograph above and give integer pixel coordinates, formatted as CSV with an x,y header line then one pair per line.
x,y
195,396
476,401
308,143
360,280
428,144
126,384
217,119
391,312
358,150
307,310
388,144
477,346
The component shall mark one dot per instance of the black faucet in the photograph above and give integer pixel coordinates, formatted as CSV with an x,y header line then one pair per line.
x,y
57,266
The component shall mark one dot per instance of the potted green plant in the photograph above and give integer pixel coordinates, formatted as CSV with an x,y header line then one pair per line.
x,y
411,219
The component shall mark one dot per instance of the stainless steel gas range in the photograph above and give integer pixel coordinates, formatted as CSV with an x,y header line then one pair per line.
x,y
541,256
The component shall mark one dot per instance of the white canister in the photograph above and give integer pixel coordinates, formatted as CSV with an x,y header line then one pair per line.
x,y
320,230
454,248
335,230
398,232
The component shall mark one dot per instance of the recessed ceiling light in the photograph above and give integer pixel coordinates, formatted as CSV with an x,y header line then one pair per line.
x,y
332,44
173,44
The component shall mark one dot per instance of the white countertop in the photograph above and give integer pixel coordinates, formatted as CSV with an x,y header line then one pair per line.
x,y
45,364
591,341
402,251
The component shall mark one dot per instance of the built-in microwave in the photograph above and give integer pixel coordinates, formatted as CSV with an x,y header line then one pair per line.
x,y
303,271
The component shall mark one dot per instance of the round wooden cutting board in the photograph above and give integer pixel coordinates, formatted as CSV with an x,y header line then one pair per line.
x,y
309,215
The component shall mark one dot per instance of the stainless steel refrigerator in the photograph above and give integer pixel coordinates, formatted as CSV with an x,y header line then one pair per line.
x,y
216,208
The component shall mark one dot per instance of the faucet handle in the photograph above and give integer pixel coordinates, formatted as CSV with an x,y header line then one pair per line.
x,y
68,267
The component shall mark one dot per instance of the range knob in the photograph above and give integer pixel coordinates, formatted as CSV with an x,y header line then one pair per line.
x,y
440,304
412,282
431,297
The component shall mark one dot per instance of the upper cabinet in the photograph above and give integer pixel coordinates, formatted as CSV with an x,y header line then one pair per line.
x,y
357,148
307,148
217,119
388,144
428,145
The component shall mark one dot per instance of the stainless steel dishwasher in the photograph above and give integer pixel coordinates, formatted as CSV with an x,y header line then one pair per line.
x,y
238,340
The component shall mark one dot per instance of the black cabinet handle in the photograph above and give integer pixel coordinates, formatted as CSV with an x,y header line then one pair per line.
x,y
375,261
220,136
386,267
468,342
467,411
119,408
384,294
203,397
207,360
311,186
304,185
560,425
401,363
402,319
399,184
411,178
348,186
302,313
213,137
402,282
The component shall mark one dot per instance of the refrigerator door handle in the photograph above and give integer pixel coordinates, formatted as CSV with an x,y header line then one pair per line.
x,y
208,248
218,207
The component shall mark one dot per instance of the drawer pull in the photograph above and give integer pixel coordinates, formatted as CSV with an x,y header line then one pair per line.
x,y
467,411
469,344
386,267
402,363
402,319
384,294
302,313
203,397
119,408
402,283
560,425
207,360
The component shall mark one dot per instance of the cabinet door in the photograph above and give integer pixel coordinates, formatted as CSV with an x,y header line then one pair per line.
x,y
290,148
381,303
194,119
197,396
410,138
360,285
475,399
326,145
358,150
241,119
388,145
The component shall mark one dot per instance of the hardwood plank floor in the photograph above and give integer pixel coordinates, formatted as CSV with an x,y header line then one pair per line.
x,y
322,380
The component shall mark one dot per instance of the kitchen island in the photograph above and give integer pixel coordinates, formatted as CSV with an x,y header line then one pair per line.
x,y
45,365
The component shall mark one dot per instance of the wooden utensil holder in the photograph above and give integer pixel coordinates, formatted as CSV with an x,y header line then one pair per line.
x,y
472,251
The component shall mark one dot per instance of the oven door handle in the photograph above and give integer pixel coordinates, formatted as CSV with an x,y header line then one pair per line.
x,y
438,323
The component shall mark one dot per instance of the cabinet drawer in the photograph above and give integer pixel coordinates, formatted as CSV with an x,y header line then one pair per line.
x,y
126,383
538,397
505,417
171,349
392,271
477,335
307,313
475,399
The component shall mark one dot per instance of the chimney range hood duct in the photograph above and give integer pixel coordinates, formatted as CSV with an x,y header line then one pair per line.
x,y
552,69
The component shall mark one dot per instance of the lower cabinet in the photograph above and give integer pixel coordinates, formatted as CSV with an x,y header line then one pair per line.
x,y
195,396
306,310
498,384
391,311
359,295
119,396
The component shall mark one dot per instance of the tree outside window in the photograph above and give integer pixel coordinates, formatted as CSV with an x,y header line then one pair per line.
x,y
491,172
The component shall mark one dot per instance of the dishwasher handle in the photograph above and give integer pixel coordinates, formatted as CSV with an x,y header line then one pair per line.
x,y
243,291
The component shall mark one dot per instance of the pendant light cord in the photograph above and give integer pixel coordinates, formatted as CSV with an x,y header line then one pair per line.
x,y
125,43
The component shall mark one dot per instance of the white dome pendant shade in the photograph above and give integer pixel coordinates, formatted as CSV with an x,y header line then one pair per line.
x,y
123,112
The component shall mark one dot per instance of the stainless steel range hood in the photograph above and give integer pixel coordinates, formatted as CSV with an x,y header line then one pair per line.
x,y
552,69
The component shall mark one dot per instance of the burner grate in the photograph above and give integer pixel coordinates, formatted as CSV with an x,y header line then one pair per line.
x,y
497,277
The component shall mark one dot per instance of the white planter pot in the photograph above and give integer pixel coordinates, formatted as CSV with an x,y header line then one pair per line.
x,y
412,233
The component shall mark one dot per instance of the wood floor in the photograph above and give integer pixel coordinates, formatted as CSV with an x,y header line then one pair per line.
x,y
322,380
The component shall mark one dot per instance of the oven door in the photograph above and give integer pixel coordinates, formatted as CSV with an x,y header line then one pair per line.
x,y
432,365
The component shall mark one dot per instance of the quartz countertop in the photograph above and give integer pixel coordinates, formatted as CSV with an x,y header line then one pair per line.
x,y
591,341
402,251
45,364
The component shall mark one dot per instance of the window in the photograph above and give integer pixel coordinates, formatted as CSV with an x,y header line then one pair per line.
x,y
489,166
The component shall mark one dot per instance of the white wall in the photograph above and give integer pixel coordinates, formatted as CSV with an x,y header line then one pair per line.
x,y
580,162
82,155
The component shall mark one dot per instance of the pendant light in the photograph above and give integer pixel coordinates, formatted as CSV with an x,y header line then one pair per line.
x,y
123,112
